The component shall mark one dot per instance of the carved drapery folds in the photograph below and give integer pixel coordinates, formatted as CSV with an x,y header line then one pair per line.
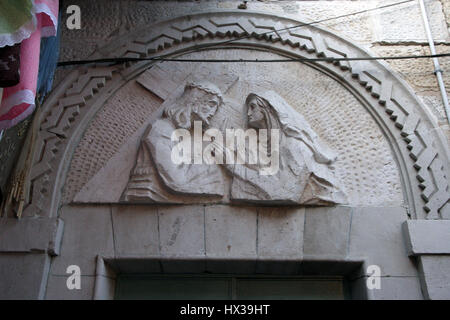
x,y
282,162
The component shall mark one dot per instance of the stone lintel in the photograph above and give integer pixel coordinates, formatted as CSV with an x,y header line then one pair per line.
x,y
427,237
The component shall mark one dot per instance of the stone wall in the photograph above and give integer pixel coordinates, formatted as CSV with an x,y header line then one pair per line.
x,y
106,238
339,241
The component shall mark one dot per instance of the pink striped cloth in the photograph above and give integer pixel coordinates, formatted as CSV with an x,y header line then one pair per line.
x,y
18,101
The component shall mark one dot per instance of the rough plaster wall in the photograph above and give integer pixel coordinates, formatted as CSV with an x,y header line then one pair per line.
x,y
396,30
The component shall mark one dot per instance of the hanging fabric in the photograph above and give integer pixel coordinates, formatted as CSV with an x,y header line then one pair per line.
x,y
48,62
17,21
18,102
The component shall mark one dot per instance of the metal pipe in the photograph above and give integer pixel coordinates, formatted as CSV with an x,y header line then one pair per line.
x,y
437,69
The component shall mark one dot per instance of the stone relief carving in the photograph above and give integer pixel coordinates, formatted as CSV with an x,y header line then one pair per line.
x,y
292,165
304,174
420,148
155,174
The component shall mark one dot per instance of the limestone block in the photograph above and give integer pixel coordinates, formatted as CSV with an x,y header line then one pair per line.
x,y
417,72
57,289
327,231
427,236
398,288
231,266
404,22
135,230
182,230
446,9
141,13
23,276
376,235
72,50
280,232
435,272
196,265
435,105
357,27
98,20
391,288
278,267
31,235
136,265
103,20
87,233
230,231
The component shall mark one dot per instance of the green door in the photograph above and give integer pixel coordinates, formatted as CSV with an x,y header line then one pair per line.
x,y
198,287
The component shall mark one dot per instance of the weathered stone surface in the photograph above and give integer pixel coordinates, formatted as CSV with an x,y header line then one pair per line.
x,y
57,288
418,72
136,265
427,236
157,176
332,222
230,232
10,146
446,9
299,170
435,273
31,235
280,232
359,27
182,230
135,230
391,288
196,265
376,235
281,267
404,23
88,232
391,24
107,134
365,166
300,166
434,103
23,276
398,288
399,114
370,173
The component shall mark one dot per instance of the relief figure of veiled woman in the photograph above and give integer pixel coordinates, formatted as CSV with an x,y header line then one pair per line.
x,y
305,172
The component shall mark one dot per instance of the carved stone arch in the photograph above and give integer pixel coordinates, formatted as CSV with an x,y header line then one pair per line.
x,y
420,149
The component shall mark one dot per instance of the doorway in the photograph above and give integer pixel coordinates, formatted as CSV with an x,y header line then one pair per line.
x,y
228,287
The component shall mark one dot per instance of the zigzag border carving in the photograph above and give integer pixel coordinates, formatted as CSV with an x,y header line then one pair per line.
x,y
61,117
57,120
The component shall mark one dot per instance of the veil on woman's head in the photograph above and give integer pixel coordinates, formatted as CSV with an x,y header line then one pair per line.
x,y
294,125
